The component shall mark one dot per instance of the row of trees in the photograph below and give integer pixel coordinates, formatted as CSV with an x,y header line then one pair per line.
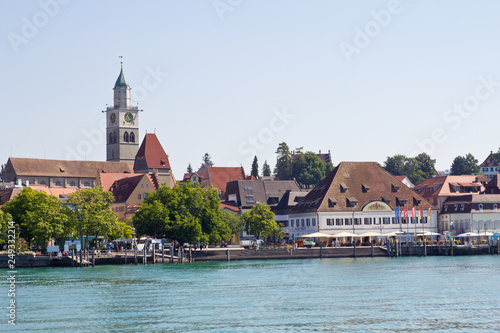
x,y
307,168
189,214
40,217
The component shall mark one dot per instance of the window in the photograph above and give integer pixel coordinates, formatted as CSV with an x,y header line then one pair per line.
x,y
110,138
58,183
394,221
308,222
368,220
386,220
42,183
247,188
423,220
147,185
302,222
144,195
249,196
125,137
357,221
495,206
329,221
132,137
72,184
413,220
339,221
348,221
139,196
86,184
114,137
250,202
314,221
292,222
480,206
142,185
376,220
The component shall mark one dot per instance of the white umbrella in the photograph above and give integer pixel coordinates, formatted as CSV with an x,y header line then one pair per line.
x,y
468,234
344,234
371,234
315,234
429,233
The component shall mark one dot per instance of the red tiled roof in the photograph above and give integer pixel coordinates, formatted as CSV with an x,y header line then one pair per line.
x,y
122,188
56,191
106,180
219,176
489,161
229,205
152,151
61,168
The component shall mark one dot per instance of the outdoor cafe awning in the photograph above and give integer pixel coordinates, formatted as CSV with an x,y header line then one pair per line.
x,y
344,234
315,234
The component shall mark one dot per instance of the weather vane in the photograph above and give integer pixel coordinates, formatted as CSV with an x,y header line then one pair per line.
x,y
121,57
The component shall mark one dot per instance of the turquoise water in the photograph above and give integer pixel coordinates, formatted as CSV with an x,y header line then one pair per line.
x,y
444,294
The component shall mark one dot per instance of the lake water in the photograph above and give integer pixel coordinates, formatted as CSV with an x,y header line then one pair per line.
x,y
444,294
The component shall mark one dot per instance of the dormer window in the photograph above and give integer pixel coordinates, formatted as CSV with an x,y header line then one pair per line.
x,y
495,206
462,207
401,202
343,188
61,169
331,203
394,188
365,188
351,202
455,207
416,202
162,162
480,206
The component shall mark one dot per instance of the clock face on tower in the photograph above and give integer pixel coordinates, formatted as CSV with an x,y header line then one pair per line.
x,y
129,117
112,118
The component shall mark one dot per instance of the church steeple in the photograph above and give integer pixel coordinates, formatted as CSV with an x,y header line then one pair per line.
x,y
121,81
121,91
122,130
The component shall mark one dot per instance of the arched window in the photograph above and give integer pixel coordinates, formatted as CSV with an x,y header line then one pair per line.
x,y
132,137
72,184
114,138
58,183
110,139
42,183
125,137
86,184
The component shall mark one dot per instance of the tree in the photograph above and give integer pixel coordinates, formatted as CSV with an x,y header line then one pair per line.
x,y
266,169
464,165
416,168
233,221
308,169
255,168
206,160
259,220
187,214
2,170
38,216
4,227
91,213
283,170
189,168
121,230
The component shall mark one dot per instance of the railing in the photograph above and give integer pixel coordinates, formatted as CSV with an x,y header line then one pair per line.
x,y
132,107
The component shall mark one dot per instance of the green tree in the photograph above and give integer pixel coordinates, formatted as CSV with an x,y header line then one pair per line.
x,y
121,230
187,214
189,168
91,213
259,220
464,165
206,160
396,165
255,168
2,170
416,168
266,169
283,170
4,227
39,216
233,221
308,169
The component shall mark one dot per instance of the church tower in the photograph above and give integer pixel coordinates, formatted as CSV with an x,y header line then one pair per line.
x,y
122,125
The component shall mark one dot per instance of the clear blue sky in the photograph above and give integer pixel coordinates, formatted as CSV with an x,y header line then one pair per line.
x,y
245,75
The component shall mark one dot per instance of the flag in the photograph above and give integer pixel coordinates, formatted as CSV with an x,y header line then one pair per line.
x,y
413,213
420,214
429,213
405,213
397,213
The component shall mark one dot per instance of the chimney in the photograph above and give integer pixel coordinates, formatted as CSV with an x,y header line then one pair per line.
x,y
19,182
27,183
320,151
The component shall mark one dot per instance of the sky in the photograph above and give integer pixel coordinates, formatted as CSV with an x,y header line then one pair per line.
x,y
233,78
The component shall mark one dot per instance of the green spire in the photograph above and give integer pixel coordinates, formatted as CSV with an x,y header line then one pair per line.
x,y
121,81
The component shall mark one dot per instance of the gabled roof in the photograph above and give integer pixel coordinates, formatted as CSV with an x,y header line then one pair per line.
x,y
328,196
188,175
493,186
218,177
440,186
489,161
123,188
59,168
151,155
106,180
230,206
121,81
